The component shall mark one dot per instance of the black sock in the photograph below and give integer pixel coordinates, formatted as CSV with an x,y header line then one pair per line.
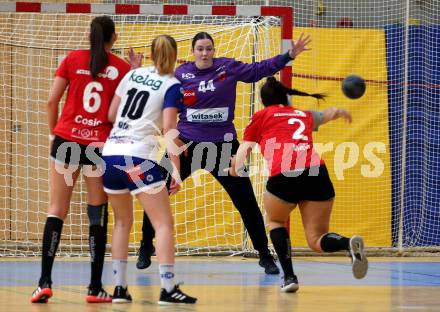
x,y
148,232
264,253
51,240
98,217
332,242
281,242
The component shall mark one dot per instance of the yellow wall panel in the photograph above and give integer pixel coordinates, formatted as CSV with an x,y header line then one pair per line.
x,y
363,190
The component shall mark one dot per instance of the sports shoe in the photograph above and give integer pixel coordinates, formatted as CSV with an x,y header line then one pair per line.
x,y
144,256
121,295
175,296
358,259
290,284
268,263
98,296
42,293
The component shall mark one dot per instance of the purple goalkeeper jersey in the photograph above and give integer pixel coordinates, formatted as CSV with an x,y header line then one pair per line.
x,y
209,95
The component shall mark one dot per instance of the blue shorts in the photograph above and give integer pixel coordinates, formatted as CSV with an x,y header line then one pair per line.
x,y
125,174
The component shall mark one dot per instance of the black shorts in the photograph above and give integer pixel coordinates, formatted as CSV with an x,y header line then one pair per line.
x,y
302,186
72,153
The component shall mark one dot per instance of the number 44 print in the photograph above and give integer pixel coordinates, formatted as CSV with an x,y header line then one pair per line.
x,y
203,87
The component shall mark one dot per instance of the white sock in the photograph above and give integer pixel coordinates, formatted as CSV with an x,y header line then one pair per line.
x,y
166,272
120,272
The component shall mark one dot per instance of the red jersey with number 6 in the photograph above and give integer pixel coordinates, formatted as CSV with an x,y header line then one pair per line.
x,y
285,138
84,116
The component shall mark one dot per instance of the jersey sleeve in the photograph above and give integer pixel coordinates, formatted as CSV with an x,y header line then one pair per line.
x,y
252,132
63,70
256,71
120,90
174,97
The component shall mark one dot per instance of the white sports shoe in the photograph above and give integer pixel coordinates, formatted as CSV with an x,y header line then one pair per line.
x,y
358,258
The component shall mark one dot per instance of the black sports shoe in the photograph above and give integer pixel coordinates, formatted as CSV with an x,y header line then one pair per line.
x,y
121,295
269,265
175,296
98,295
290,284
144,256
358,258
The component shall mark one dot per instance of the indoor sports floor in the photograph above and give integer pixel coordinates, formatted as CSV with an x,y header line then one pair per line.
x,y
236,284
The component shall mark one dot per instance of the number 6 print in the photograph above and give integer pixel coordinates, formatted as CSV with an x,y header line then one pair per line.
x,y
91,92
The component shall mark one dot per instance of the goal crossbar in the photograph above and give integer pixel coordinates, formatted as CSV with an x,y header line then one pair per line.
x,y
285,13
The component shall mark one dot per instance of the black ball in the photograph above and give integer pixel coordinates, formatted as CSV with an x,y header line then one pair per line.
x,y
353,86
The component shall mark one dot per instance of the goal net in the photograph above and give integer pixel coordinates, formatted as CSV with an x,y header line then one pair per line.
x,y
385,166
32,44
395,46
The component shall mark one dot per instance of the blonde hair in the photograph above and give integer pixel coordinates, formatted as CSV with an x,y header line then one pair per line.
x,y
164,54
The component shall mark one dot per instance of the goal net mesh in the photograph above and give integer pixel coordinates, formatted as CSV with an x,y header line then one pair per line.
x,y
31,48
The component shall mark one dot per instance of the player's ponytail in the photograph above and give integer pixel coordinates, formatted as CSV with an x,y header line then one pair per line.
x,y
318,96
164,54
274,92
102,29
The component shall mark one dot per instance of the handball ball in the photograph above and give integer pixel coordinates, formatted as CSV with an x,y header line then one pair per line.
x,y
353,86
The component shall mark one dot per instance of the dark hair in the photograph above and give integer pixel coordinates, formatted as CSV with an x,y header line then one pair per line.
x,y
199,36
102,29
274,92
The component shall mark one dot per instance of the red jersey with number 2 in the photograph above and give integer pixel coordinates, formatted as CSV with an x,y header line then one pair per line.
x,y
84,116
285,138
